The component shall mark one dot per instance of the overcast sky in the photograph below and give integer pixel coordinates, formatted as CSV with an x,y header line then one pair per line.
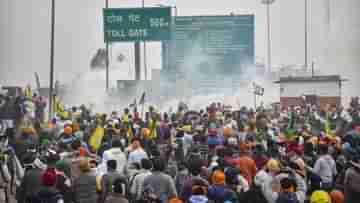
x,y
25,34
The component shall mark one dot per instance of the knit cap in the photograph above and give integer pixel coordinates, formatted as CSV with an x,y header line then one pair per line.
x,y
218,178
49,177
337,196
320,197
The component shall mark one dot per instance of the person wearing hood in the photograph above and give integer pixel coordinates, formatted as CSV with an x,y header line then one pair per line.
x,y
117,194
352,183
287,192
218,191
63,181
31,182
325,167
194,166
272,182
108,179
48,192
85,186
114,153
136,181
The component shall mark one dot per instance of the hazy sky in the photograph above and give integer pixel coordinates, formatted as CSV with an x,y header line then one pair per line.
x,y
25,35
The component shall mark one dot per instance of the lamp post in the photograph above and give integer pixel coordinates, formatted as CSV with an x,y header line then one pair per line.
x,y
52,50
268,3
306,33
107,55
144,47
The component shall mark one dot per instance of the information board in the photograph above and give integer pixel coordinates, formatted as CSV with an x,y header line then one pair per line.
x,y
210,43
137,24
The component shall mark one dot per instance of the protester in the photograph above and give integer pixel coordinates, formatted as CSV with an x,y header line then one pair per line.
x,y
85,186
352,183
114,153
136,182
217,154
48,192
325,167
31,182
108,179
137,153
158,185
117,196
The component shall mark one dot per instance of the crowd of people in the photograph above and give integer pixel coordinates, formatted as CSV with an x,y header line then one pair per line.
x,y
268,155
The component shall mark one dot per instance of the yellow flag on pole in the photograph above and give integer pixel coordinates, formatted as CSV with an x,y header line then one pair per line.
x,y
96,138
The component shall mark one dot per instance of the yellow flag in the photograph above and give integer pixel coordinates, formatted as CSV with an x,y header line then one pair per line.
x,y
152,127
28,92
130,134
96,138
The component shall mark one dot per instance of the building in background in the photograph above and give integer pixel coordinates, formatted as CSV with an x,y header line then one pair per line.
x,y
319,90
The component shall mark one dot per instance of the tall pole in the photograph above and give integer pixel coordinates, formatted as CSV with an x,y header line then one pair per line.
x,y
52,40
268,36
306,34
107,55
144,47
268,27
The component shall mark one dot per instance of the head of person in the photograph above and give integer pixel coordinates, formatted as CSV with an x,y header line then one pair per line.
x,y
48,178
158,164
116,143
337,196
146,164
288,184
273,167
136,143
68,130
175,200
323,149
218,178
194,166
320,196
62,166
111,165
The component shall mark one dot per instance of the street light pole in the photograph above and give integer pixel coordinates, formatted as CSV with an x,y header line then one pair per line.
x,y
306,34
107,55
268,3
52,50
268,35
144,47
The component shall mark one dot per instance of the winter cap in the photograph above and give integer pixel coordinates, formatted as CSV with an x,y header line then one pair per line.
x,y
337,196
218,178
320,197
273,165
49,177
82,152
175,200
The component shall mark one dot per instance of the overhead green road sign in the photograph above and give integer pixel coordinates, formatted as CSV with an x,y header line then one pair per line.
x,y
137,24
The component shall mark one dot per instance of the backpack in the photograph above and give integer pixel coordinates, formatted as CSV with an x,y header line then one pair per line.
x,y
131,182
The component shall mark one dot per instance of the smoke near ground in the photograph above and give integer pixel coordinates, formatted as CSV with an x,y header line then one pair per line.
x,y
24,49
